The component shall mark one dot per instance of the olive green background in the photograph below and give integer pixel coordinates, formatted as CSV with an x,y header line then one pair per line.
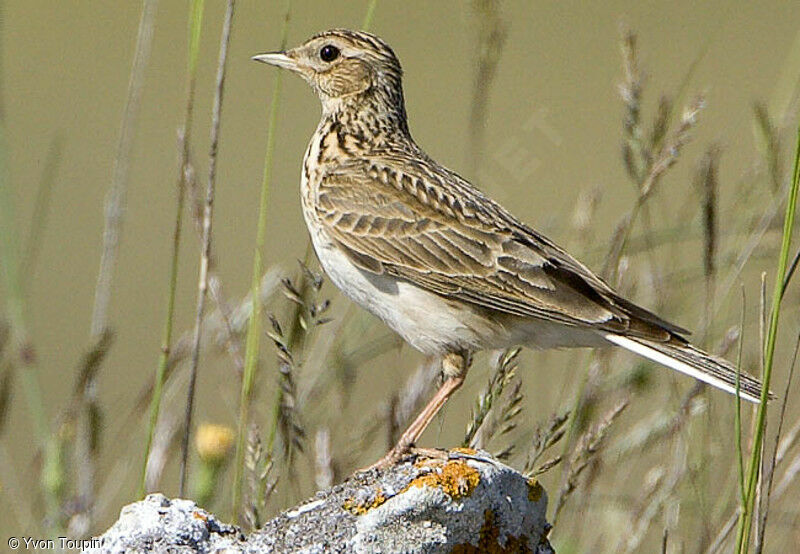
x,y
552,132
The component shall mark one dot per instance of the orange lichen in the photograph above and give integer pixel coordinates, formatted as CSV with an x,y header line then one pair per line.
x,y
534,490
361,507
456,478
489,540
464,450
199,515
426,462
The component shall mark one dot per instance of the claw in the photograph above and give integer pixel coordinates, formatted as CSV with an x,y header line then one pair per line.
x,y
400,453
393,457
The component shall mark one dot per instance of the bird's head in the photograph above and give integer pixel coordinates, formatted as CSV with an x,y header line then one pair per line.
x,y
342,65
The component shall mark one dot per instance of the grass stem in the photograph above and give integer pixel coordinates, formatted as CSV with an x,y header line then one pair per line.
x,y
205,253
20,349
115,202
41,207
195,25
746,518
252,340
367,23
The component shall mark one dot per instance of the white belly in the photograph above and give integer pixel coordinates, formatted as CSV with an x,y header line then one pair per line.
x,y
426,321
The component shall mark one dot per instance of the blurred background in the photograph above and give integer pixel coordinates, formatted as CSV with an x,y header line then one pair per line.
x,y
522,98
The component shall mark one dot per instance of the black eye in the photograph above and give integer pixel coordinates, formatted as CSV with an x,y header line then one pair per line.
x,y
328,53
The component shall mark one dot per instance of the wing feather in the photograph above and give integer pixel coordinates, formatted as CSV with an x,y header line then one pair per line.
x,y
455,242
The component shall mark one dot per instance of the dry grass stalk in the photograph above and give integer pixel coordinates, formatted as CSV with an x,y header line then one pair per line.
x,y
112,232
770,470
661,426
770,144
305,296
306,315
232,341
591,393
258,465
638,149
585,452
501,376
218,330
670,152
788,477
788,441
511,408
253,339
164,438
115,203
634,152
546,435
646,160
662,486
766,222
661,123
205,252
585,211
502,420
492,32
288,420
707,183
324,474
545,466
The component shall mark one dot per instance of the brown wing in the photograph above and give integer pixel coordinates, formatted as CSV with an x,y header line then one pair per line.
x,y
457,243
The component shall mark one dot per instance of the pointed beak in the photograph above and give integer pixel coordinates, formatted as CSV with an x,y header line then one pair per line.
x,y
279,59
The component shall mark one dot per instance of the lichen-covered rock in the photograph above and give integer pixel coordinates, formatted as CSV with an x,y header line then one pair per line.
x,y
462,501
158,524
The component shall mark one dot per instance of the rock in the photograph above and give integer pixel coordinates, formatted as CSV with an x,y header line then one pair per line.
x,y
158,524
462,501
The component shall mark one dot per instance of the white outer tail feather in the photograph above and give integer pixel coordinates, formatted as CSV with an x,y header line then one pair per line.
x,y
677,365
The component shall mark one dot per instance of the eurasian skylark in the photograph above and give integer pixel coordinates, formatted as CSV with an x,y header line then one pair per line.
x,y
446,267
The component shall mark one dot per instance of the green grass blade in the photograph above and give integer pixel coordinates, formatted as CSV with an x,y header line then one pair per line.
x,y
41,207
738,417
14,289
195,24
252,341
745,519
367,23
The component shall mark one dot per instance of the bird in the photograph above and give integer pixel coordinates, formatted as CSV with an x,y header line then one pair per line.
x,y
438,261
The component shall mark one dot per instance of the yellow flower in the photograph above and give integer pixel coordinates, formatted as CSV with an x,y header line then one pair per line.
x,y
213,442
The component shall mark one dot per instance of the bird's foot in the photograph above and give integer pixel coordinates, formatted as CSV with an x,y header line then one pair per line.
x,y
404,452
393,457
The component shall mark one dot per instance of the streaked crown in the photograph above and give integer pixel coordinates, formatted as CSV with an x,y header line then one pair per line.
x,y
344,66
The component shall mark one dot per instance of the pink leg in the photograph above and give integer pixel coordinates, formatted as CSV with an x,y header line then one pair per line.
x,y
455,369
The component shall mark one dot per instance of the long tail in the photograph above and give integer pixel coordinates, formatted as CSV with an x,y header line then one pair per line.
x,y
694,362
